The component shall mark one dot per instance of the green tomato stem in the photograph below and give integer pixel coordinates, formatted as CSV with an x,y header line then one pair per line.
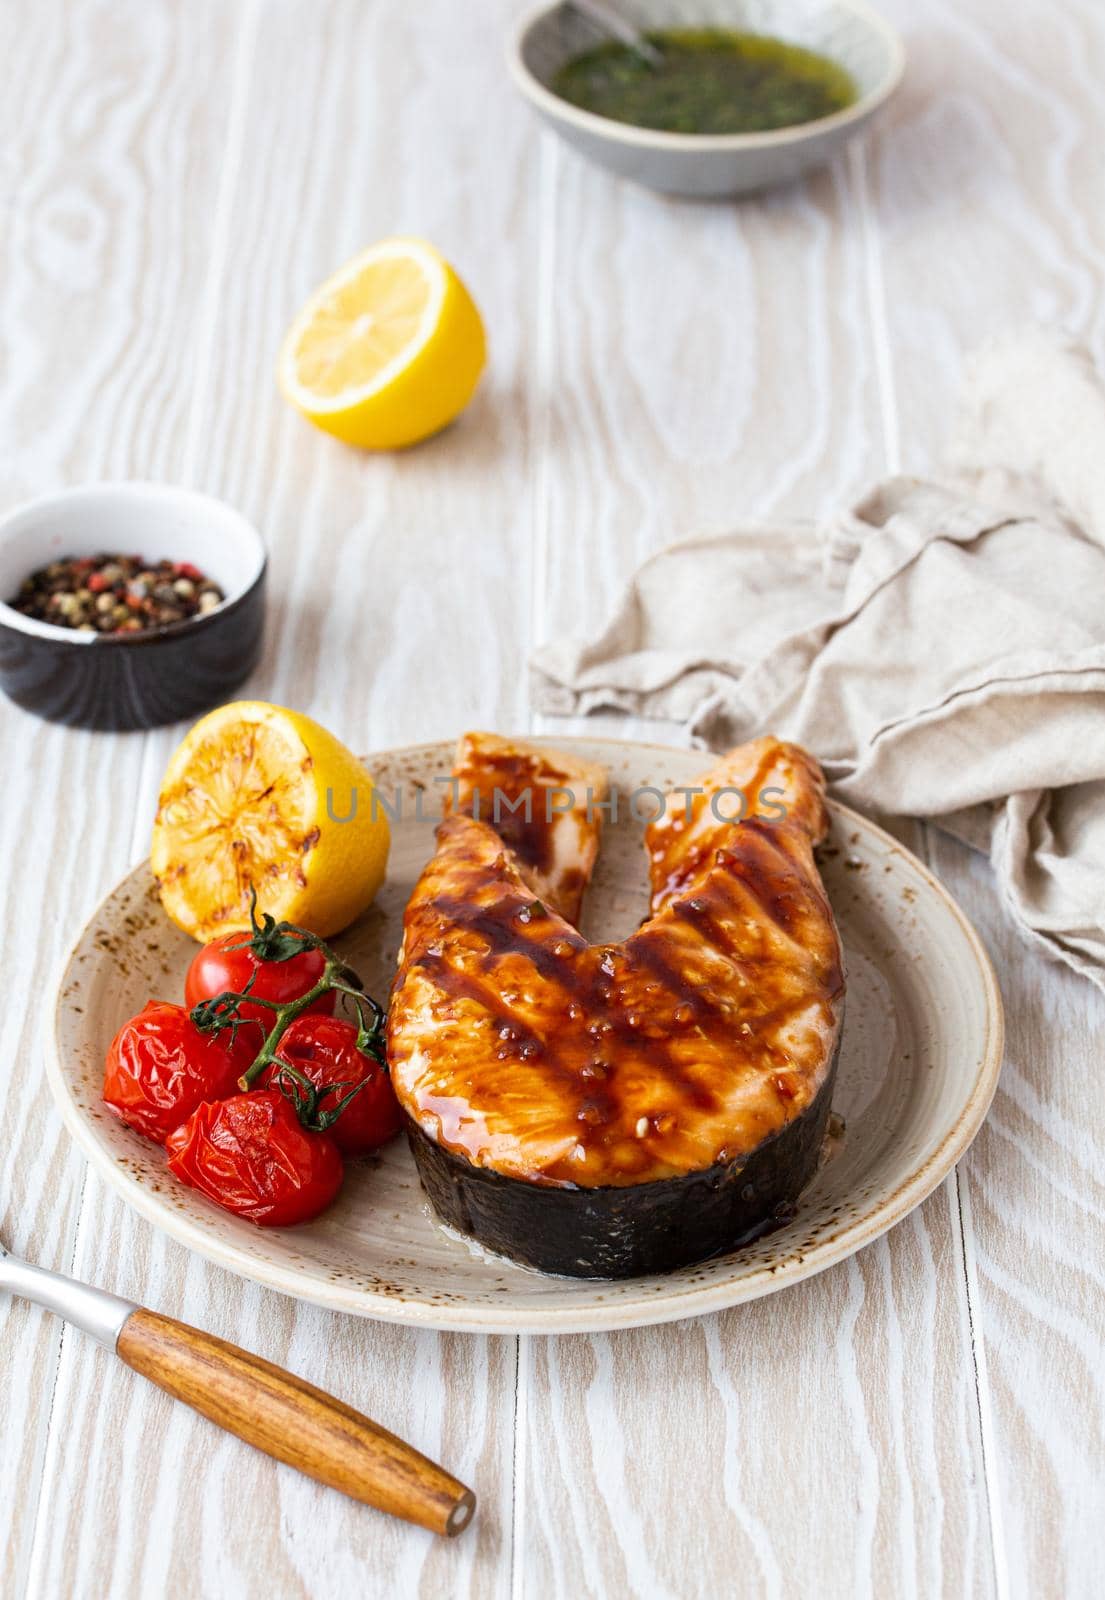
x,y
273,941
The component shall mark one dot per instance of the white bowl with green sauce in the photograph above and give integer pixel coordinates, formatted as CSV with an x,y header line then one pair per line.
x,y
746,93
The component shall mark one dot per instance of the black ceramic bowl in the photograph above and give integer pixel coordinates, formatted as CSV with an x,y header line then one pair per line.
x,y
131,680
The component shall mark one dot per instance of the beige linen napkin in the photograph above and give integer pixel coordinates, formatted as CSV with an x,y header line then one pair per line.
x,y
940,646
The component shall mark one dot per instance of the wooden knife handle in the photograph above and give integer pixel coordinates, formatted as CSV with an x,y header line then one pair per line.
x,y
294,1421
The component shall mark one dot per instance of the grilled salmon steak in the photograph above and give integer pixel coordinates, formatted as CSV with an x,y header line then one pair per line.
x,y
612,1109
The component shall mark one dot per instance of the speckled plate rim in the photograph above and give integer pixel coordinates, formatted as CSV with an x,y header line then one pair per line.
x,y
673,1305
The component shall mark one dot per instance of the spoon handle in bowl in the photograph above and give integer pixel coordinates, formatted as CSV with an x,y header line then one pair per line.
x,y
610,21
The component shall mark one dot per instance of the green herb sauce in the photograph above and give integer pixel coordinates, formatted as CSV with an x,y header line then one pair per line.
x,y
710,80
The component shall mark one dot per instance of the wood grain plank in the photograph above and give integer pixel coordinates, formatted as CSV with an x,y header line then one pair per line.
x,y
824,1440
400,586
1034,1193
623,408
736,382
986,186
815,1442
743,380
986,183
397,580
228,1520
102,115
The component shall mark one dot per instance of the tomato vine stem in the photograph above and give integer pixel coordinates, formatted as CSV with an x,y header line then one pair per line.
x,y
270,940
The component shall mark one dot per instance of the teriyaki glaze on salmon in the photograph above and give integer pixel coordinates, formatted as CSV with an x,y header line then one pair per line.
x,y
608,1110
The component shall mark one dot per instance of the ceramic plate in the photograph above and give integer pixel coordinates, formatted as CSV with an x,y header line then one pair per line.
x,y
918,1068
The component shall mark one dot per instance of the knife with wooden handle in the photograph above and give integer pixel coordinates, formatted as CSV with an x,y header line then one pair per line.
x,y
270,1408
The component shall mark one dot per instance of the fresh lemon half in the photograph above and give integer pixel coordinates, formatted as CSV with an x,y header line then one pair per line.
x,y
257,796
388,350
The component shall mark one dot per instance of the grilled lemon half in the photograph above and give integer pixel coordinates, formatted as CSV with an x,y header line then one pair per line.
x,y
258,797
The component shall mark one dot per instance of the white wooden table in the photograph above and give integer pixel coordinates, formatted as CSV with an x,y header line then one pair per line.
x,y
928,1419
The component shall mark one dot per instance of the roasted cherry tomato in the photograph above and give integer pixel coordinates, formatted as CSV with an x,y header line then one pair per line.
x,y
218,967
160,1067
324,1050
252,1155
